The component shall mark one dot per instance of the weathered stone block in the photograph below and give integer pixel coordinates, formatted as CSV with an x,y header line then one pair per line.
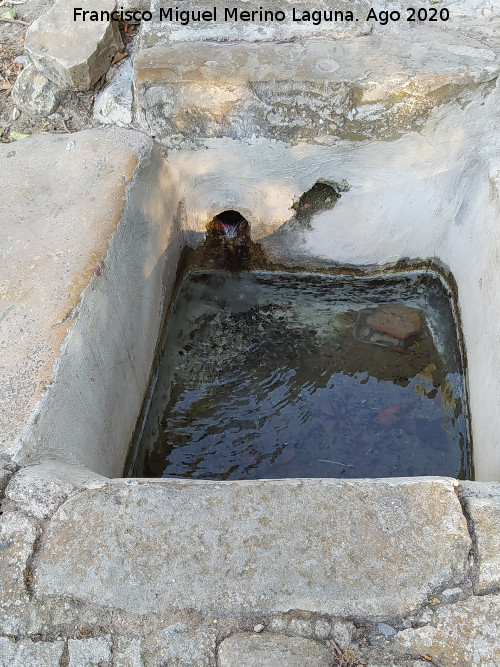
x,y
73,54
179,646
229,25
176,646
17,538
90,652
361,548
462,634
114,103
298,91
482,504
269,650
35,93
127,652
39,490
87,196
25,653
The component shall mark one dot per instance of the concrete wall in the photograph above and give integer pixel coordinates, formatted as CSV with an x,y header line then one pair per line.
x,y
88,414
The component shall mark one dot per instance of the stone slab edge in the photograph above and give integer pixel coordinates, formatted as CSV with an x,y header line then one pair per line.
x,y
371,549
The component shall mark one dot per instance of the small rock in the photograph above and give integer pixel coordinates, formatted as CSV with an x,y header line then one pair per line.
x,y
396,320
70,145
298,626
322,628
278,624
342,633
36,94
426,616
21,60
387,630
451,594
258,628
15,113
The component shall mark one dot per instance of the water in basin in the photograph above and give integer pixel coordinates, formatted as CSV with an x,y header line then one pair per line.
x,y
272,375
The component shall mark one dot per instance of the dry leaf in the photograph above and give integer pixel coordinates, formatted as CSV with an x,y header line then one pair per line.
x,y
119,57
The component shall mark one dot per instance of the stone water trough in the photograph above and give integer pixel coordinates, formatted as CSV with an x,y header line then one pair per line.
x,y
97,569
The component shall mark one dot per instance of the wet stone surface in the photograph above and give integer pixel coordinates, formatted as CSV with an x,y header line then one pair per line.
x,y
268,375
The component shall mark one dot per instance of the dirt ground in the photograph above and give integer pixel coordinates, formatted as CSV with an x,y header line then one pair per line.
x,y
75,111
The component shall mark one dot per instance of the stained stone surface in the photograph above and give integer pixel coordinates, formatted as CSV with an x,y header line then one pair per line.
x,y
460,635
73,54
368,548
268,650
26,653
482,504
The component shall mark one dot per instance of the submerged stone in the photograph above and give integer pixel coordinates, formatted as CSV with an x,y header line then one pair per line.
x,y
396,320
261,377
